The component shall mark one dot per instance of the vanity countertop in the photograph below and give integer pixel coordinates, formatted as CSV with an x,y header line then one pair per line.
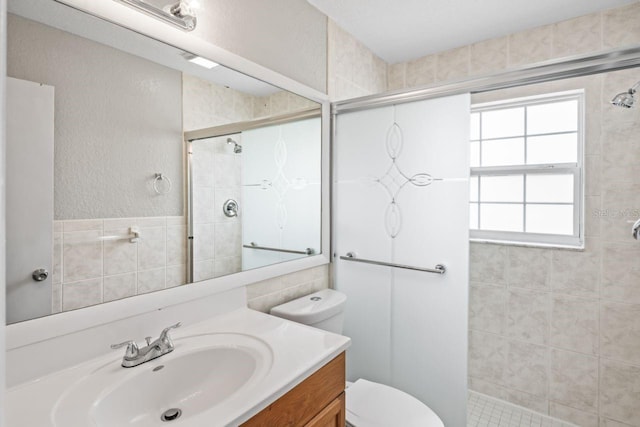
x,y
295,352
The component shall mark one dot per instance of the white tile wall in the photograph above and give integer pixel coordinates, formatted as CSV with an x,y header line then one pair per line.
x,y
217,175
90,268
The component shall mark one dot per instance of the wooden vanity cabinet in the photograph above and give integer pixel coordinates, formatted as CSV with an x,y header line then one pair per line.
x,y
318,401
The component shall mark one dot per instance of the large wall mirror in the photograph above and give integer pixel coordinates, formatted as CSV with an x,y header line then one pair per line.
x,y
135,167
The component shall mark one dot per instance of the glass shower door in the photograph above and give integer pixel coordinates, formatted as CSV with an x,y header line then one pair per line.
x,y
401,197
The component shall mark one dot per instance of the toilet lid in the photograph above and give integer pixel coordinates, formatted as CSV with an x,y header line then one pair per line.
x,y
371,404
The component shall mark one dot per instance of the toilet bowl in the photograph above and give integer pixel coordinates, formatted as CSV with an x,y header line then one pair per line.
x,y
368,404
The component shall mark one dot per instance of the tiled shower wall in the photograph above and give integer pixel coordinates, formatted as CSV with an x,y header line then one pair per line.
x,y
216,177
558,330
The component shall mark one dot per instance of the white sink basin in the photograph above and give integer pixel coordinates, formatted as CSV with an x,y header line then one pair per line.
x,y
202,372
223,371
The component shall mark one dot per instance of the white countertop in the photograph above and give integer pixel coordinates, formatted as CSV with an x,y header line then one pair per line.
x,y
297,351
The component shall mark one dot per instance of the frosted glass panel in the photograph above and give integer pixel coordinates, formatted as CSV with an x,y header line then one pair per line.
x,y
473,216
550,219
280,204
503,123
474,154
503,152
502,188
475,126
550,188
473,189
502,217
562,148
555,117
394,316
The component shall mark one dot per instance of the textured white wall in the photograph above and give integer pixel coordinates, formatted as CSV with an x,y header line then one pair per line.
x,y
288,36
118,122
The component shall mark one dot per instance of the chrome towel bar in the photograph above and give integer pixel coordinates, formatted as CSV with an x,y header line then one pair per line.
x,y
351,256
254,245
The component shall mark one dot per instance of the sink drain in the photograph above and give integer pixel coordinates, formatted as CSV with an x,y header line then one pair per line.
x,y
171,414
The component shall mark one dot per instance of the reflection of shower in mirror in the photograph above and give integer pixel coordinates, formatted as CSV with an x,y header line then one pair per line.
x,y
237,148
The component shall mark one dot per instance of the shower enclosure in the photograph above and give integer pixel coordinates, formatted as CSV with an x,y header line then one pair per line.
x,y
253,194
401,195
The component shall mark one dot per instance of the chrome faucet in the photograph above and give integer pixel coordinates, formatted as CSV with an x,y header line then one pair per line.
x,y
134,356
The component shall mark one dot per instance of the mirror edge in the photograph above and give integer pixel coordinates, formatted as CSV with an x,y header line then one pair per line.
x,y
41,329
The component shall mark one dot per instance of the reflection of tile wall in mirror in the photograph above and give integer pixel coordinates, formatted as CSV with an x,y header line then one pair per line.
x,y
216,174
207,104
96,261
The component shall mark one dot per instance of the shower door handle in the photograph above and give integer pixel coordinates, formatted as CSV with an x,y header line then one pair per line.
x,y
635,230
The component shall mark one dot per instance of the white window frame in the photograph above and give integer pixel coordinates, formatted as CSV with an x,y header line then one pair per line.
x,y
575,241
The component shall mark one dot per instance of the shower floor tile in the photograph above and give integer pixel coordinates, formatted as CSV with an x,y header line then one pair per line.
x,y
485,411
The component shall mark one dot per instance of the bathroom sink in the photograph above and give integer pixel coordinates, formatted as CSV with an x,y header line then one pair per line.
x,y
201,373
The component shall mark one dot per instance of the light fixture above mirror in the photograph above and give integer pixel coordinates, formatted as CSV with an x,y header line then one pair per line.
x,y
180,14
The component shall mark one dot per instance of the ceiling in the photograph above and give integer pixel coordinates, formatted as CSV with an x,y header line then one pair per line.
x,y
401,30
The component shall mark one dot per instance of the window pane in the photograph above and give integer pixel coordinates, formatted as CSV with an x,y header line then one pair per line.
x,y
548,188
473,189
474,154
507,188
475,126
554,117
503,123
550,219
473,216
501,217
552,149
503,152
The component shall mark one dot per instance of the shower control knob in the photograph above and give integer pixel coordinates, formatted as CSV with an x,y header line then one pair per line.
x,y
40,275
230,208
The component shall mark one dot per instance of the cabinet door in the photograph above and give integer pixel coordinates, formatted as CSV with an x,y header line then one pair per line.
x,y
333,415
303,404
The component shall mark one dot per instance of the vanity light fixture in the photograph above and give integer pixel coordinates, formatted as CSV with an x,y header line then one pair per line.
x,y
179,14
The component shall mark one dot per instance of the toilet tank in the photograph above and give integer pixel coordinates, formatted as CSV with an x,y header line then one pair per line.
x,y
323,309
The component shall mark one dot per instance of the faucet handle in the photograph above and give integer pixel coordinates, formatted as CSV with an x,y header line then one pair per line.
x,y
132,348
168,328
164,335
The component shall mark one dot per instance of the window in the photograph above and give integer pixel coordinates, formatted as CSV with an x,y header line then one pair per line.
x,y
526,170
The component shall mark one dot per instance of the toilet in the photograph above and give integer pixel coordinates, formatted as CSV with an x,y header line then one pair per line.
x,y
369,404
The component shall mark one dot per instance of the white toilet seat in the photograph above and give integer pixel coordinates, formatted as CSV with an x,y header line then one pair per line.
x,y
371,404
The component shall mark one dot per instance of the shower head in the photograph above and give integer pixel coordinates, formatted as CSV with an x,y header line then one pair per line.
x,y
626,99
237,148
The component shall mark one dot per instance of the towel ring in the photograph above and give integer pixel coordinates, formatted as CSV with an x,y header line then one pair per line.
x,y
161,177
